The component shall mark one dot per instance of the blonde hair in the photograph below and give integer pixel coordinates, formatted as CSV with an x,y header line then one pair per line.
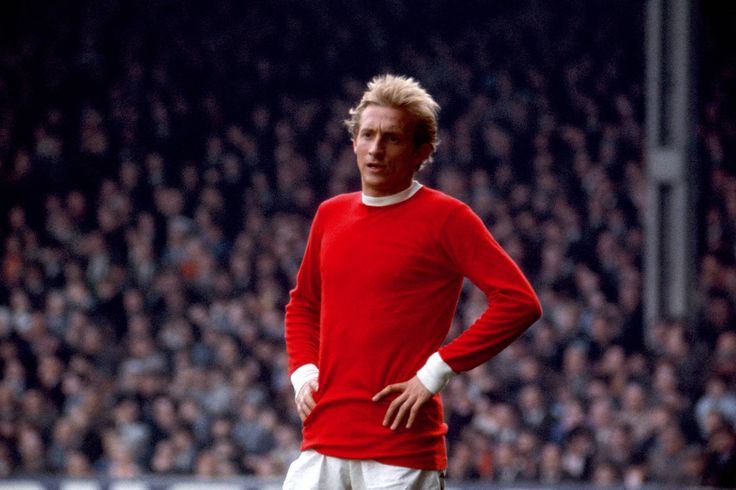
x,y
400,93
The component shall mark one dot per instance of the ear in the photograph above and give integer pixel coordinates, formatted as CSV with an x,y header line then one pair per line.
x,y
355,146
422,153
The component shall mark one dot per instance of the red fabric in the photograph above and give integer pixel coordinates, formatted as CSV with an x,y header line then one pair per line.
x,y
375,297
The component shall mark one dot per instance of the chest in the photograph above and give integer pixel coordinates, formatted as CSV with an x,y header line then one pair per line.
x,y
381,251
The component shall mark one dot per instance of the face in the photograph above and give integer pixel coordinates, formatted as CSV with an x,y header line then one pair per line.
x,y
384,148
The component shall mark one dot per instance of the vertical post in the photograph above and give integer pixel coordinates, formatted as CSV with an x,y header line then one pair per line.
x,y
671,165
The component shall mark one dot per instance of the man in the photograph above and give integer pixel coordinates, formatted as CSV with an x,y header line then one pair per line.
x,y
374,300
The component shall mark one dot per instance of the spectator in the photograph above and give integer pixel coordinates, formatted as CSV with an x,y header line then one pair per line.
x,y
720,465
717,398
668,456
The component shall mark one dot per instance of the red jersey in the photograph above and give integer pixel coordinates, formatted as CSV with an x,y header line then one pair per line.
x,y
375,297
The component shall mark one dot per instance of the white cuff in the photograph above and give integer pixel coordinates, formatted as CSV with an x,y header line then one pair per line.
x,y
301,375
435,373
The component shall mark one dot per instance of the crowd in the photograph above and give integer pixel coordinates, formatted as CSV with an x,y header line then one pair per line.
x,y
159,168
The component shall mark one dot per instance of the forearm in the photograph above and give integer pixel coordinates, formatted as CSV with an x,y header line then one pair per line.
x,y
508,315
301,334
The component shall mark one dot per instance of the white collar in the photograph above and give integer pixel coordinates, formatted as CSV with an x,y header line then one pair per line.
x,y
393,198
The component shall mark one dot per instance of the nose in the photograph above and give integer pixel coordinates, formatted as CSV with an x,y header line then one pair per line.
x,y
376,147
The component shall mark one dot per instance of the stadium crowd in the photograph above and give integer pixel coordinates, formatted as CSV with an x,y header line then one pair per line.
x,y
159,168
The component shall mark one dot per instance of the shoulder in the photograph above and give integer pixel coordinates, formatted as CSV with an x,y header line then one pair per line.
x,y
438,201
338,204
341,200
450,214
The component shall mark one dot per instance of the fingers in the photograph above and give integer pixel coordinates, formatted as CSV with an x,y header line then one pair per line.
x,y
390,411
305,405
413,413
412,395
400,405
397,404
403,406
305,409
305,400
387,390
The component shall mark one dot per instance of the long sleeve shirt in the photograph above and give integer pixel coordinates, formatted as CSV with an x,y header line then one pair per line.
x,y
374,300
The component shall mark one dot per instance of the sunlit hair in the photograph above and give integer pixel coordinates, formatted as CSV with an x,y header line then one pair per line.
x,y
400,93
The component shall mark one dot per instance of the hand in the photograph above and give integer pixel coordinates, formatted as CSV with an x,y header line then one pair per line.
x,y
305,400
412,396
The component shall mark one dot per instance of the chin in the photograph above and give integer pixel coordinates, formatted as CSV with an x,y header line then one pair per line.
x,y
377,184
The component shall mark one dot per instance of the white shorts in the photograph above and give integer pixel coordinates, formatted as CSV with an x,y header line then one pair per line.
x,y
312,470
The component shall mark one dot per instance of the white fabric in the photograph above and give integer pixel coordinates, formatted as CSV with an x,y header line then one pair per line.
x,y
301,375
393,198
435,374
314,471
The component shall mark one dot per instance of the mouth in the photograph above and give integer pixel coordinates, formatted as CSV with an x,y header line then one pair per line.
x,y
375,166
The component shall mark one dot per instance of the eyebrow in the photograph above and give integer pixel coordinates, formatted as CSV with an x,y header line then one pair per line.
x,y
388,130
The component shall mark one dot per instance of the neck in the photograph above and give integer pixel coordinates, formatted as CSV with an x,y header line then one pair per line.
x,y
393,198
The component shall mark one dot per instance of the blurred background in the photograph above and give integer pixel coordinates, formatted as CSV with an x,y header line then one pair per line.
x,y
160,163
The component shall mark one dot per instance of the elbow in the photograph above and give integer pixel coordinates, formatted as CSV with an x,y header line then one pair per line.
x,y
524,307
535,308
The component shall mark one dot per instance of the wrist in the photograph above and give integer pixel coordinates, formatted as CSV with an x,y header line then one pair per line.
x,y
435,374
301,375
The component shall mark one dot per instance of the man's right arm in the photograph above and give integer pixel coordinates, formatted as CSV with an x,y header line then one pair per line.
x,y
302,323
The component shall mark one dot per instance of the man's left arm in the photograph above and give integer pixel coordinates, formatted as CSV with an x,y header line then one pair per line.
x,y
512,308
